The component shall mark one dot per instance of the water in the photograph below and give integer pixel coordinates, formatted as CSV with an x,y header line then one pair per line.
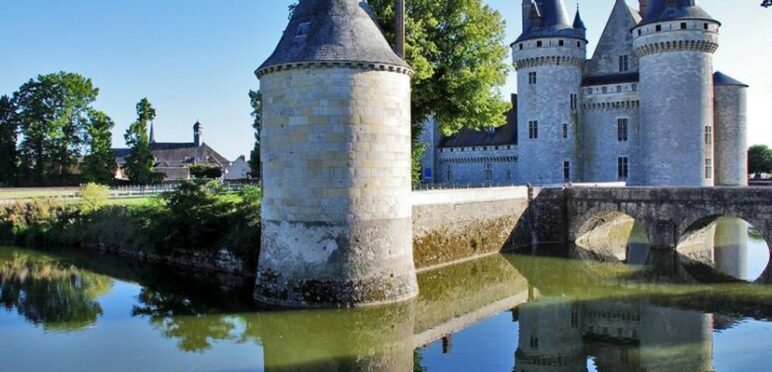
x,y
543,311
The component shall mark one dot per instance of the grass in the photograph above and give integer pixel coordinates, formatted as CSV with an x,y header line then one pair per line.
x,y
36,193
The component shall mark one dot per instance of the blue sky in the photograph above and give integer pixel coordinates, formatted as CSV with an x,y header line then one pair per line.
x,y
194,59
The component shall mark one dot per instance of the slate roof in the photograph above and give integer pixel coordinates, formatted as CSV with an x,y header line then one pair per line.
x,y
549,19
578,22
719,78
627,77
658,11
178,154
501,136
332,31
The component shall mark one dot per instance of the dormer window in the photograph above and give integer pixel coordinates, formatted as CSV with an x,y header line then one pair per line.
x,y
303,29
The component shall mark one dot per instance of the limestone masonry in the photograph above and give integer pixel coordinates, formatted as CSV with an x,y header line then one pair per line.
x,y
336,212
647,108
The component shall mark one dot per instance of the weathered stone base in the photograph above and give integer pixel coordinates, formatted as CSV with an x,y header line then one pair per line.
x,y
319,265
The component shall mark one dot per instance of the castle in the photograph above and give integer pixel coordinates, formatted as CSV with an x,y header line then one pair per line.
x,y
646,109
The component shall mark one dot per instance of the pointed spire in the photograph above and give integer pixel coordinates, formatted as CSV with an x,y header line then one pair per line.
x,y
152,133
578,23
548,18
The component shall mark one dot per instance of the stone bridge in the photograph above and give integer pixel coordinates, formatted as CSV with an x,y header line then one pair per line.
x,y
667,214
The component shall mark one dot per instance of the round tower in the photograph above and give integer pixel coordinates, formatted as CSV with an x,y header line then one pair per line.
x,y
675,45
336,213
731,122
548,57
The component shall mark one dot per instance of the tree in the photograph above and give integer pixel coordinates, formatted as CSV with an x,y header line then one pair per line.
x,y
457,51
99,164
52,111
256,101
9,158
140,162
205,171
759,160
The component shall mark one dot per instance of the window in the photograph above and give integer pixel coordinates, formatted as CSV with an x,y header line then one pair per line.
x,y
604,90
427,173
532,78
708,135
538,44
450,173
683,25
574,98
624,63
567,171
619,89
488,172
534,342
708,168
659,28
521,46
565,131
639,32
578,44
634,87
622,130
589,90
623,168
706,26
533,129
561,42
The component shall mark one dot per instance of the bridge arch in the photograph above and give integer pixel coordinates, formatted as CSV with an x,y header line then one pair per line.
x,y
605,233
720,247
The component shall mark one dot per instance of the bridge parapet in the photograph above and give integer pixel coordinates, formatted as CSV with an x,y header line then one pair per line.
x,y
669,213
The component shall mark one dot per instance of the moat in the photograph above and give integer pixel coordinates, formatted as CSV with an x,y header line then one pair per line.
x,y
550,308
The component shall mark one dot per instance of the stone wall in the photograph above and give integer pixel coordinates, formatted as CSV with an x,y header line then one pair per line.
x,y
336,200
467,166
454,225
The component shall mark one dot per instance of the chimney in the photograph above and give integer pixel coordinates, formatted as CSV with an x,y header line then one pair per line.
x,y
644,7
399,28
198,134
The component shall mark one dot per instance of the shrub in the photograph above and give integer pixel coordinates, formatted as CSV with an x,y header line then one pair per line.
x,y
94,196
205,171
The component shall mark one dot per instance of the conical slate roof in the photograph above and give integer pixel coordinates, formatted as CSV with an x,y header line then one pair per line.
x,y
333,31
578,22
659,11
549,19
720,78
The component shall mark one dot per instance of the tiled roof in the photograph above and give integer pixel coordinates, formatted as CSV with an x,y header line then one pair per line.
x,y
549,19
719,78
628,77
501,136
659,11
332,31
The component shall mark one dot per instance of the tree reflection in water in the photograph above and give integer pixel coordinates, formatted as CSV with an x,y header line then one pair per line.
x,y
51,293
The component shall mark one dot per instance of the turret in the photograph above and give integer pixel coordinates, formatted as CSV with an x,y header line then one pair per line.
x,y
548,57
579,23
335,152
198,134
731,121
675,43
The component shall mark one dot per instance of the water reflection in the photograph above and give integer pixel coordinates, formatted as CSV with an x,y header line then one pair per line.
x,y
50,293
567,314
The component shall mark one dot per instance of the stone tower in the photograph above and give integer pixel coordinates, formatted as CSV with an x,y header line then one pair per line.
x,y
675,43
548,57
336,213
731,123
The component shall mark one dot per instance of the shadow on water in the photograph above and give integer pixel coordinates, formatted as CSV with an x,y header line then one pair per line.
x,y
570,312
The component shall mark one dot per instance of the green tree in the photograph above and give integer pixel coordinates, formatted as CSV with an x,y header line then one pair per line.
x,y
140,162
9,159
99,164
457,51
256,101
759,160
53,114
205,171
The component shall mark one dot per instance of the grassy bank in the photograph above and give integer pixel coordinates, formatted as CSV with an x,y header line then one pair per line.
x,y
198,220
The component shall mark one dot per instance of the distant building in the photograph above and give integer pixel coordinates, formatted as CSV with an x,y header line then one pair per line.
x,y
646,109
239,170
174,159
